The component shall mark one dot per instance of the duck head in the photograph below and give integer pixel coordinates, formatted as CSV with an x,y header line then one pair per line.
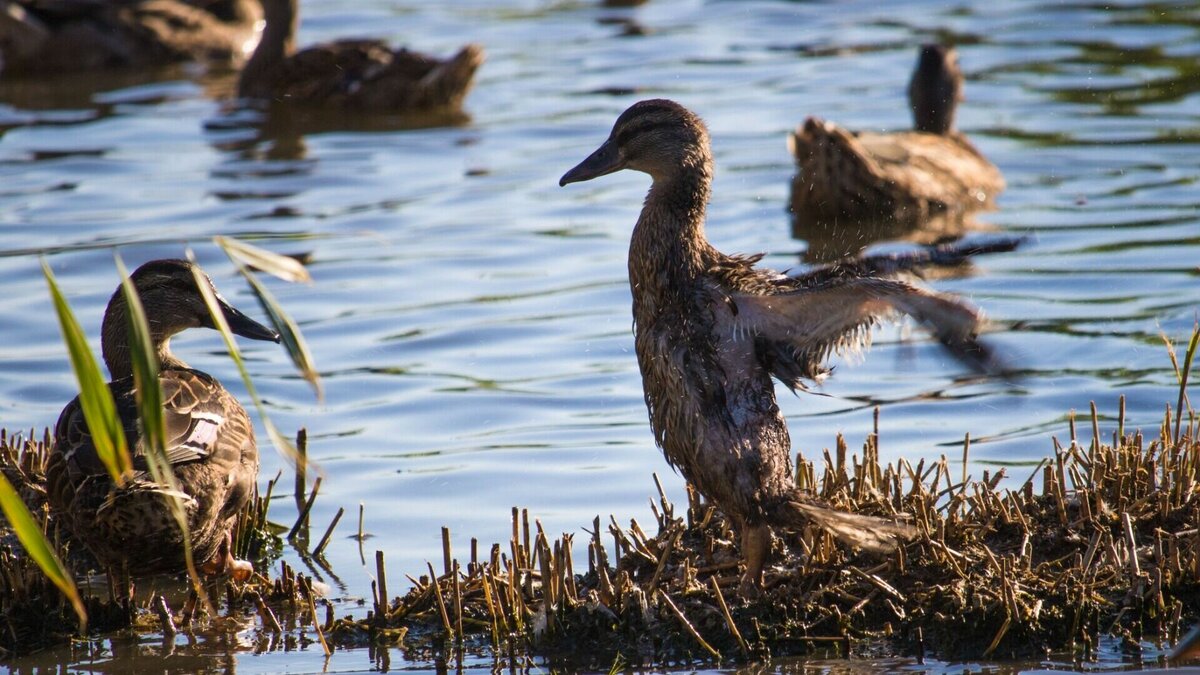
x,y
658,137
172,303
935,89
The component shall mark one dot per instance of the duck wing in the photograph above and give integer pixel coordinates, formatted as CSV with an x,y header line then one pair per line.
x,y
329,72
797,327
197,412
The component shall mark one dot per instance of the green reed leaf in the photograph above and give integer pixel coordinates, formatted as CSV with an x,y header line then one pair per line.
x,y
245,256
148,392
95,398
147,388
289,332
288,269
1181,375
39,549
281,443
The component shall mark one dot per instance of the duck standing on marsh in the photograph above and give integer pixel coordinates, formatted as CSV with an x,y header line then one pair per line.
x,y
210,442
710,330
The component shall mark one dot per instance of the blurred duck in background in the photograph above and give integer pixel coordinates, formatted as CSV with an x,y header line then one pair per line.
x,y
39,37
357,74
903,176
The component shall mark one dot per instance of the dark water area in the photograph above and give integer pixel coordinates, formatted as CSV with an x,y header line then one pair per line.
x,y
471,319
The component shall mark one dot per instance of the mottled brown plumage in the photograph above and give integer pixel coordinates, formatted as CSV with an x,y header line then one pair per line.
x,y
710,330
40,37
903,175
209,442
363,75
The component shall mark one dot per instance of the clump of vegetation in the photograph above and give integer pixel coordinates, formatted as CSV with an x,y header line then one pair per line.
x,y
1101,538
34,614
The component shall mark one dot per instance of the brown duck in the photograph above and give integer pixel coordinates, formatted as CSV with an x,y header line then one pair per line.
x,y
210,442
40,37
710,330
364,75
904,175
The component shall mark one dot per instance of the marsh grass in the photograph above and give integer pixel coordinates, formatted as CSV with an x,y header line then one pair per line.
x,y
34,614
1100,540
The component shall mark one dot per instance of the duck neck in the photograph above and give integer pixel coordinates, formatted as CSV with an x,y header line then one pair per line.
x,y
114,342
933,99
669,234
276,44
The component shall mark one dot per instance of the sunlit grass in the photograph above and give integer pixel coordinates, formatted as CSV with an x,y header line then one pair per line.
x,y
95,398
39,548
281,442
148,392
245,256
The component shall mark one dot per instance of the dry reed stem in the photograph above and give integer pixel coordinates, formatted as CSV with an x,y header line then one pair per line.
x,y
328,532
687,625
302,518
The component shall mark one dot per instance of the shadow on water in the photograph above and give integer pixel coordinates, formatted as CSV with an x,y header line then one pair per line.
x,y
78,98
277,132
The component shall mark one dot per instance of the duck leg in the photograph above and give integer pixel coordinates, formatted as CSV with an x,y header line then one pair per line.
x,y
224,563
756,545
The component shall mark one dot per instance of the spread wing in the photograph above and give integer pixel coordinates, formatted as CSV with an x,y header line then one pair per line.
x,y
796,330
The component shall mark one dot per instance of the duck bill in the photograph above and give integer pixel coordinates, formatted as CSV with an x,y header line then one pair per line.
x,y
603,161
240,324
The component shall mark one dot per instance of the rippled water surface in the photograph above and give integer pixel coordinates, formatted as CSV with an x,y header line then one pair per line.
x,y
471,319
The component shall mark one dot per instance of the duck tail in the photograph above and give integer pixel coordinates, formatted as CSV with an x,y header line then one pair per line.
x,y
870,533
453,78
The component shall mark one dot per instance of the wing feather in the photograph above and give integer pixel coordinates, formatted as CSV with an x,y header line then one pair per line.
x,y
796,330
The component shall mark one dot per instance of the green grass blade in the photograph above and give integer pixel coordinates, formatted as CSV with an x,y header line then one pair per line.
x,y
39,549
1182,376
147,387
148,390
95,398
288,269
289,332
281,443
245,256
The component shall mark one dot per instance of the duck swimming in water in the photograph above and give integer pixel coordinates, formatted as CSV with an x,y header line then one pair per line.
x,y
39,37
360,75
711,329
908,175
210,442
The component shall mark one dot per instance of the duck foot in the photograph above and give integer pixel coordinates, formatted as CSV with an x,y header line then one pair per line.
x,y
756,545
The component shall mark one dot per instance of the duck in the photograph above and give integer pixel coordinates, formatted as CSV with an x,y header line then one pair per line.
x,y
711,330
360,75
210,442
41,37
906,176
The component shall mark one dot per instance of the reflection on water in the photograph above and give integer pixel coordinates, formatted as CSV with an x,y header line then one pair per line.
x,y
829,239
471,320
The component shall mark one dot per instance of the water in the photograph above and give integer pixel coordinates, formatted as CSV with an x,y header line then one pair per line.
x,y
471,319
